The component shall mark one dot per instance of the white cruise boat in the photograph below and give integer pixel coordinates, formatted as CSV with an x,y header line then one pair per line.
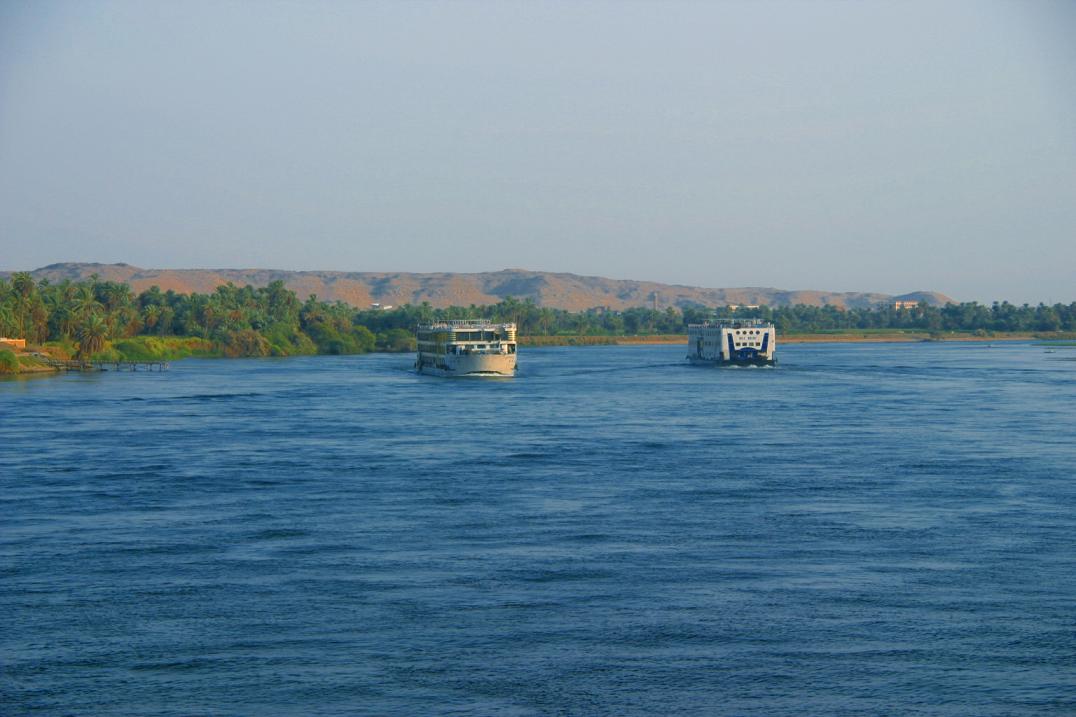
x,y
469,347
732,342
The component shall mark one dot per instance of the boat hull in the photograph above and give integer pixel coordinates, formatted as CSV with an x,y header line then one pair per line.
x,y
475,365
758,361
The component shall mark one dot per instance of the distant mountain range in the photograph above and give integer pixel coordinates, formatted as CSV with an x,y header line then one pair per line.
x,y
562,291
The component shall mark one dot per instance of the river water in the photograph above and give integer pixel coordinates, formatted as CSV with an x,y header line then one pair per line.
x,y
864,530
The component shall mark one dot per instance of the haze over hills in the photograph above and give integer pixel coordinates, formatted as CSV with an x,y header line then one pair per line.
x,y
556,290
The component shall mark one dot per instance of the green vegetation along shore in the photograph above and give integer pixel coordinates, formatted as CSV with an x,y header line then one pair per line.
x,y
878,336
105,321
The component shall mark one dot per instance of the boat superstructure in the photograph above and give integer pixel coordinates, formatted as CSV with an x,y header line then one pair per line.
x,y
466,347
732,342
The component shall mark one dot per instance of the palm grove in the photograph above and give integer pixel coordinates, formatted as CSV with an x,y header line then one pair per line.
x,y
94,317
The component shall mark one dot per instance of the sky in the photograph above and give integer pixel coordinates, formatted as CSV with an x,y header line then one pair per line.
x,y
867,146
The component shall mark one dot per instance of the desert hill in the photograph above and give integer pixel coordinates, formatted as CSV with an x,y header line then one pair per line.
x,y
562,291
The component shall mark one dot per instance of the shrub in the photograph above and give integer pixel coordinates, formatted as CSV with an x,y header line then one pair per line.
x,y
9,363
284,341
107,354
331,340
246,342
63,349
396,340
365,340
140,349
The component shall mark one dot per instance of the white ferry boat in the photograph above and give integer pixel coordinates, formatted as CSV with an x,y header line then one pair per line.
x,y
732,342
469,347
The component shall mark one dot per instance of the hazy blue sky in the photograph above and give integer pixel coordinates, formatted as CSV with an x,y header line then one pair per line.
x,y
832,145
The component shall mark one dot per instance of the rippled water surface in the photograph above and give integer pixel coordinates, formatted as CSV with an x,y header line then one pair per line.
x,y
867,529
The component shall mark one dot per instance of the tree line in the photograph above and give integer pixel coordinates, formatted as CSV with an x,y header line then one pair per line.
x,y
239,321
272,320
533,320
1000,317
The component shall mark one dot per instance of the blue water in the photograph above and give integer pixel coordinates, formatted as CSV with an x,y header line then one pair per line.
x,y
864,530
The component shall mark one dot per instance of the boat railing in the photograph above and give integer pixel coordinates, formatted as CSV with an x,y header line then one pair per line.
x,y
466,324
492,351
733,324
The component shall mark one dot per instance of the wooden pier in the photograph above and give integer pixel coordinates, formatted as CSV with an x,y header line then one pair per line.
x,y
79,365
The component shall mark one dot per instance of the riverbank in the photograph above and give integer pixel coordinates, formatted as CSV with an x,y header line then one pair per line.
x,y
44,358
142,349
867,336
21,363
901,337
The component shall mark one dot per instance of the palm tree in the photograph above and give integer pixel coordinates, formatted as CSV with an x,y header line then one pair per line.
x,y
63,319
150,316
85,301
22,283
8,323
116,296
22,288
91,335
39,322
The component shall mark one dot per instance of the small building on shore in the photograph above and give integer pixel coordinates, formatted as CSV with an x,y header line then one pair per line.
x,y
6,343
